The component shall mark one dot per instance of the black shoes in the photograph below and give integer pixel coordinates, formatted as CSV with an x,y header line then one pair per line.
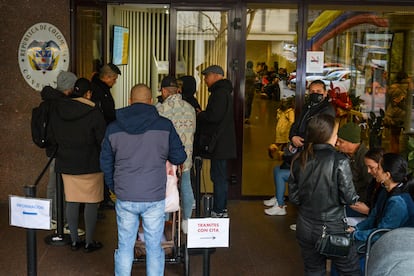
x,y
76,245
87,247
93,246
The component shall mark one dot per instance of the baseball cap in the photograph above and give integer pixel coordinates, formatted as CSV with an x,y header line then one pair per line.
x,y
169,81
213,69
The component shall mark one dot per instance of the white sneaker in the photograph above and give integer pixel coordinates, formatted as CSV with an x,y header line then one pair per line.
x,y
276,211
184,226
293,227
270,202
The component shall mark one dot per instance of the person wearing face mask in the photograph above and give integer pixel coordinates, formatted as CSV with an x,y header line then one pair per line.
x,y
318,103
397,208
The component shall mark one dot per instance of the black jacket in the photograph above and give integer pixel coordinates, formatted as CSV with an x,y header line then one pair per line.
x,y
102,97
323,186
308,111
50,96
216,116
78,129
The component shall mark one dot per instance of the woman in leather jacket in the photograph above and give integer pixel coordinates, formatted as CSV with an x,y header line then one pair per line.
x,y
321,185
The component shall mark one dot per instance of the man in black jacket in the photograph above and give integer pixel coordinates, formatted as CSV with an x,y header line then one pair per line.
x,y
102,82
318,103
101,85
217,120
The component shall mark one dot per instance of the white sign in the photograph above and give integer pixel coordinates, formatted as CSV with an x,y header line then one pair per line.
x,y
29,212
314,61
43,53
208,232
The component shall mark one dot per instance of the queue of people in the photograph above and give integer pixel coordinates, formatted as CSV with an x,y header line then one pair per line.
x,y
100,152
86,127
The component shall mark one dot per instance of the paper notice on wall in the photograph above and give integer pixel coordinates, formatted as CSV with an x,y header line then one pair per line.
x,y
26,212
314,61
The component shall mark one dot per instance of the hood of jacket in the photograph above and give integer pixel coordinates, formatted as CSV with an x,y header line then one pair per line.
x,y
50,93
72,109
189,86
136,118
221,84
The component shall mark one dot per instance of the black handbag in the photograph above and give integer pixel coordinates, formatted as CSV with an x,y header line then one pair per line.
x,y
334,244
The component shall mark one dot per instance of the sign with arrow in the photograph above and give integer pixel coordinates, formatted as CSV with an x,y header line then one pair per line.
x,y
208,232
26,212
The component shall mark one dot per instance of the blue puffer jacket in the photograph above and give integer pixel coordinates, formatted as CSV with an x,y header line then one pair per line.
x,y
134,152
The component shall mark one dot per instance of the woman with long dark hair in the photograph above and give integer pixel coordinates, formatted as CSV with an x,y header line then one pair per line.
x,y
397,210
321,185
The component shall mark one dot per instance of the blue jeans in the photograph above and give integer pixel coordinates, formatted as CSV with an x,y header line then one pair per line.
x,y
280,176
218,174
187,195
127,218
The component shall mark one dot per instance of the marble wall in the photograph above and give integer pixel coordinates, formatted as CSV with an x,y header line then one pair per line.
x,y
22,161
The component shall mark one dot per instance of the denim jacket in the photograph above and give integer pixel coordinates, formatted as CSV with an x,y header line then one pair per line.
x,y
398,212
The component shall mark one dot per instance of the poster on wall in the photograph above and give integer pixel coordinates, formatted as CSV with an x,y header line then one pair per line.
x,y
120,45
43,53
314,61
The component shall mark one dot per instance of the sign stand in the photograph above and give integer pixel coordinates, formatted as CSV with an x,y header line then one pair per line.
x,y
206,252
31,245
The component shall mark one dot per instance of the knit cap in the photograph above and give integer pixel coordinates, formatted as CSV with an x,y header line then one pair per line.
x,y
65,81
350,132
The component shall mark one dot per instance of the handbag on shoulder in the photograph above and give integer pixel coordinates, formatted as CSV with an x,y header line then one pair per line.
x,y
334,244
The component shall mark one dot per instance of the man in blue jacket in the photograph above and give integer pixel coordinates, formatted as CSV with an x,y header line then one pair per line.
x,y
134,153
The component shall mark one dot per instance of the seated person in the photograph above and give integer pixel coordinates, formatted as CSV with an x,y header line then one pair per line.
x,y
349,143
375,190
397,208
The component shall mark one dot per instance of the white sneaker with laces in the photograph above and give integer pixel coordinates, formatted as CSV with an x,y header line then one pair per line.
x,y
270,202
276,211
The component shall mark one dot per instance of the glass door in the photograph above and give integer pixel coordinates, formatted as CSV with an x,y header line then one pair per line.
x,y
201,41
270,59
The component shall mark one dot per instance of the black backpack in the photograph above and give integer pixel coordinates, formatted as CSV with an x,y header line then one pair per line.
x,y
39,124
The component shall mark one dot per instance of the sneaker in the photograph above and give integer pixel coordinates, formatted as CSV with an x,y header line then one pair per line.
x,y
93,246
270,202
184,226
276,211
223,214
293,227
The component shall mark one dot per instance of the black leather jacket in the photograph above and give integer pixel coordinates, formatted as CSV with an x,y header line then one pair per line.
x,y
323,186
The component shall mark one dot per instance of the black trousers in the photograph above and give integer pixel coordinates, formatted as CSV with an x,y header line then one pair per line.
x,y
308,232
